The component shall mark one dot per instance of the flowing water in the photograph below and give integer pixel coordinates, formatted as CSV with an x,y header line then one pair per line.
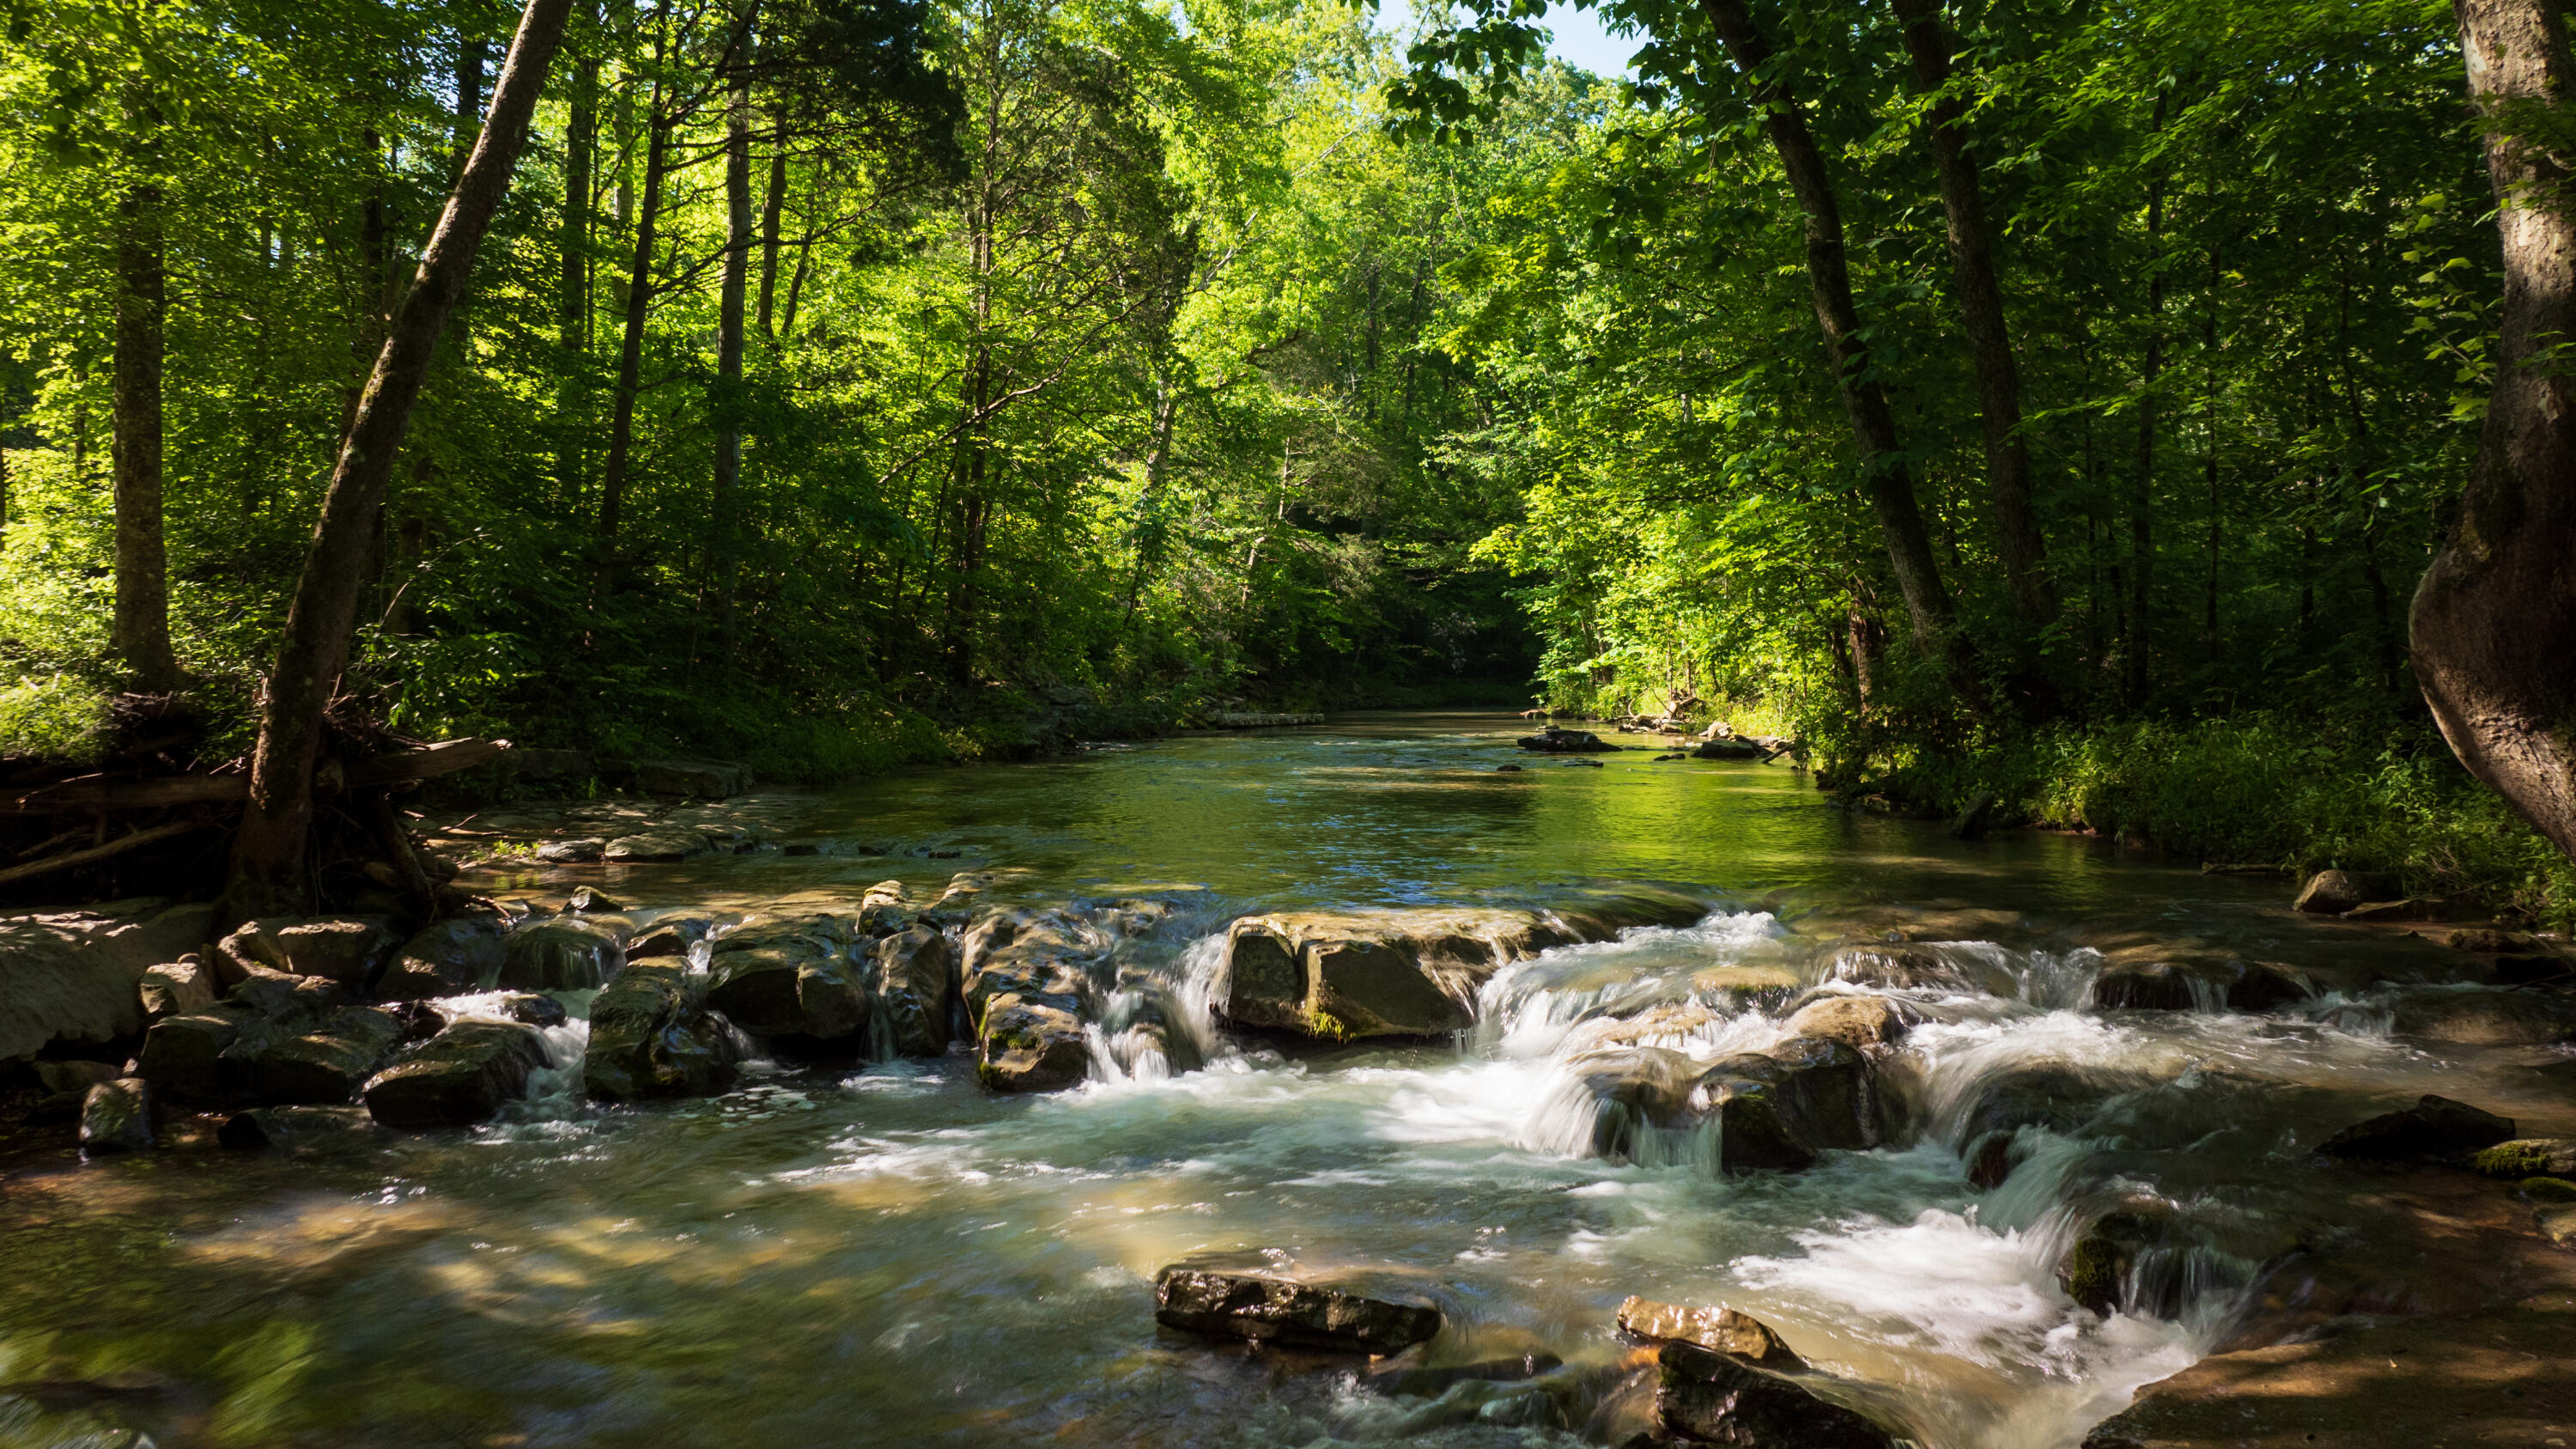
x,y
888,1253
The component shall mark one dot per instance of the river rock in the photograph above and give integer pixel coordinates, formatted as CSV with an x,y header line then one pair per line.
x,y
1779,1107
1859,1022
177,988
2528,1157
652,1035
1716,1398
1719,1330
658,846
783,983
671,933
277,996
916,990
2097,1269
580,850
1035,955
530,1008
1030,1044
1900,968
2199,984
116,1117
2333,892
458,1078
326,1065
1729,749
566,953
2480,1016
345,949
1554,741
459,954
74,975
2434,1127
2488,940
299,1130
1630,1091
183,1055
1286,1314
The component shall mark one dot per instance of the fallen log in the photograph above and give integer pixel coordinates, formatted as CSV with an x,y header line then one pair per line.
x,y
153,792
72,859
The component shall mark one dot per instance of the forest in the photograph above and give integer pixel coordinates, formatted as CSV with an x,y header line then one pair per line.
x,y
2053,399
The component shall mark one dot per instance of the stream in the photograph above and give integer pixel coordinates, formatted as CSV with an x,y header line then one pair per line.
x,y
887,1253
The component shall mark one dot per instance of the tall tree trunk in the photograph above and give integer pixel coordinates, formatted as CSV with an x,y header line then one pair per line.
x,y
572,299
772,201
140,631
1873,423
2494,621
471,51
2209,415
1981,314
630,350
268,870
2142,539
727,402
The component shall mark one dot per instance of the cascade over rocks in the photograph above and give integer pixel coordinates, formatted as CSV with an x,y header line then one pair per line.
x,y
457,1078
561,953
1859,1022
1342,975
1778,1108
652,1035
1716,1398
1287,1314
1903,968
459,954
1633,1090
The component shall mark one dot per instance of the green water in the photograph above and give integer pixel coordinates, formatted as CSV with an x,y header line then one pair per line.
x,y
892,1255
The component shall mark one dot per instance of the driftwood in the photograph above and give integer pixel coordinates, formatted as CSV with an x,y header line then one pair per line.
x,y
70,859
150,792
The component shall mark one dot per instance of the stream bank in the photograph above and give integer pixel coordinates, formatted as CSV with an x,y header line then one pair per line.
x,y
861,1232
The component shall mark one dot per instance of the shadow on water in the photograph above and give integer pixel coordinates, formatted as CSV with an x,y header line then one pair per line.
x,y
892,1255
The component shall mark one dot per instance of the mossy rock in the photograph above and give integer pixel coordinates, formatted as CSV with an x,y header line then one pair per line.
x,y
2528,1157
2548,1189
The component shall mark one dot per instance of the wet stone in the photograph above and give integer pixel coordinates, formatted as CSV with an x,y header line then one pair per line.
x,y
1714,1398
916,989
651,1035
2478,1016
2434,1127
326,1065
564,954
1719,1330
789,988
1778,1109
1859,1022
116,1116
182,1055
580,851
459,954
1897,968
1288,1314
1031,1045
281,997
2528,1157
298,1130
458,1078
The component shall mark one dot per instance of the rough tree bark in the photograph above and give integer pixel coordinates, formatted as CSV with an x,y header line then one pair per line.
x,y
268,867
2494,621
2142,486
1873,423
1981,314
772,201
140,628
572,298
630,350
726,402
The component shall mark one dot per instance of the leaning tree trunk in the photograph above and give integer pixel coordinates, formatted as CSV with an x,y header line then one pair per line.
x,y
1873,422
268,872
2494,622
1981,314
140,630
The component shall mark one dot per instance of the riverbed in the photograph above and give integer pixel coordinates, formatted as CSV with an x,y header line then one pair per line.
x,y
885,1252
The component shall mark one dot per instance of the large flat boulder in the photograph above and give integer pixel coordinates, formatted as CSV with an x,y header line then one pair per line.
x,y
1341,975
652,1035
345,949
457,1078
1288,1314
73,975
787,986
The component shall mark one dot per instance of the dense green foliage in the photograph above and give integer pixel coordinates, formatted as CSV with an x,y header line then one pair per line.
x,y
1111,360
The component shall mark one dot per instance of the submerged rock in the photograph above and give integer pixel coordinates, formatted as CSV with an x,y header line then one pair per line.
x,y
2097,1269
1291,1315
116,1117
1719,1330
1779,1108
298,1130
2520,1016
1715,1398
652,1035
457,1078
2433,1127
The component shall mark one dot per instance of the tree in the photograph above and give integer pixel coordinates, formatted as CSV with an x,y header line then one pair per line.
x,y
2493,626
268,872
